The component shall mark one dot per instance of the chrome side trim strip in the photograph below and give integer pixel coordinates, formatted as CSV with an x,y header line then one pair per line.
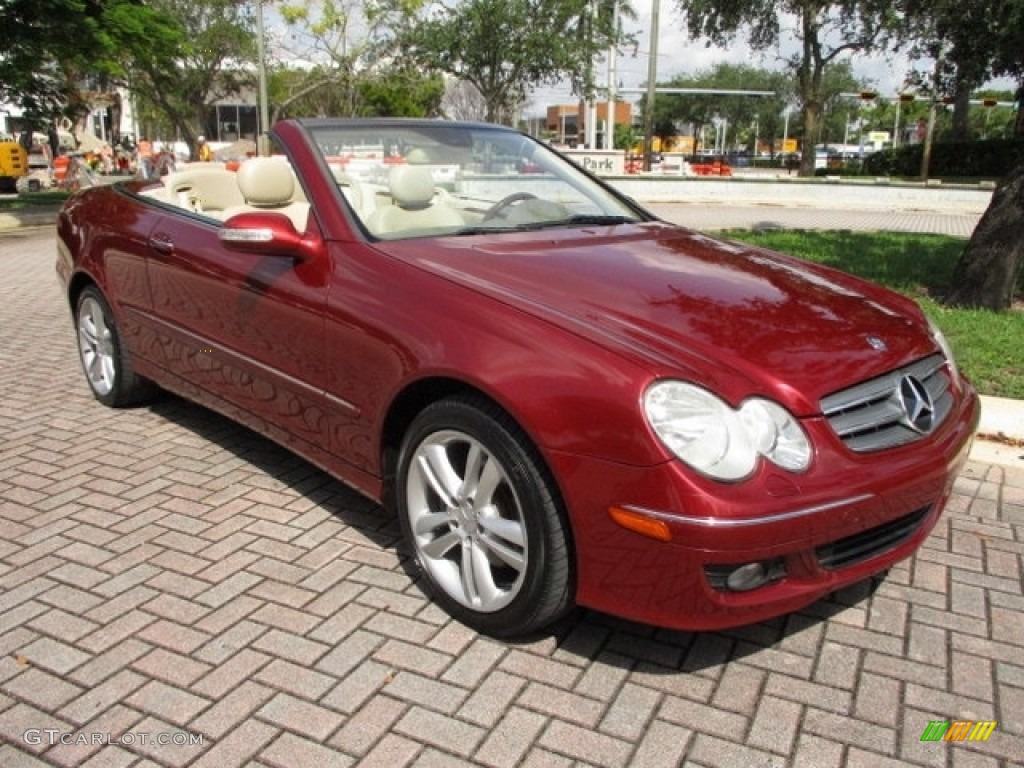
x,y
714,522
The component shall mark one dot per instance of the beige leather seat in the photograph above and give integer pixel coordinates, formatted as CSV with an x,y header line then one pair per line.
x,y
203,187
268,184
413,208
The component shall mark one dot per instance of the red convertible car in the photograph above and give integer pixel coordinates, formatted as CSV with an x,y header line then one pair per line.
x,y
564,400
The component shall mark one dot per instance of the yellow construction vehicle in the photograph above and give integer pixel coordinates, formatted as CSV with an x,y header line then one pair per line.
x,y
13,165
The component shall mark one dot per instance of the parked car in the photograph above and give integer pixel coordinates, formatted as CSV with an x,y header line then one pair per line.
x,y
564,400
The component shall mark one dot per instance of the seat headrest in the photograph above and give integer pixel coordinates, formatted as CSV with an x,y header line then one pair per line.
x,y
266,181
412,187
417,156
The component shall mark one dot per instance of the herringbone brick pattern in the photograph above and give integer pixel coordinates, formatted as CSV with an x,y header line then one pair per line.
x,y
166,576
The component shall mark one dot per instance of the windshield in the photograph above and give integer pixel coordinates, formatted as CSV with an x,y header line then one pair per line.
x,y
405,180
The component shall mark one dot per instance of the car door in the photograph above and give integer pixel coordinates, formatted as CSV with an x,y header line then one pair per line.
x,y
242,327
121,269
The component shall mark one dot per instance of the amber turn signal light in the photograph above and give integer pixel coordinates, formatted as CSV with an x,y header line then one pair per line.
x,y
640,523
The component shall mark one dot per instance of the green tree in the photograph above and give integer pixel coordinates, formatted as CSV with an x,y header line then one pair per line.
x,y
749,118
505,47
953,37
991,264
358,67
401,91
51,46
184,55
825,31
1008,31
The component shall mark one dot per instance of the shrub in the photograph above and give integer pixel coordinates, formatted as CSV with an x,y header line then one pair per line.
x,y
953,159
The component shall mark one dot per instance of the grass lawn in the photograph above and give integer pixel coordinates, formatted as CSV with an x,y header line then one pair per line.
x,y
30,200
989,347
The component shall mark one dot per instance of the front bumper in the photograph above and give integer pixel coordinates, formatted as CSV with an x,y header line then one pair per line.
x,y
847,519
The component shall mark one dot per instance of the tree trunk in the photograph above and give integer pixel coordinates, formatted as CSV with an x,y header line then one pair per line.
x,y
961,110
1018,126
990,266
812,123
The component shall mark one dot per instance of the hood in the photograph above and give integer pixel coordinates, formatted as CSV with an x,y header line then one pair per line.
x,y
740,319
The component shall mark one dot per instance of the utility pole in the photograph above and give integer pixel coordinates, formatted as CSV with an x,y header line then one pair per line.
x,y
652,83
263,139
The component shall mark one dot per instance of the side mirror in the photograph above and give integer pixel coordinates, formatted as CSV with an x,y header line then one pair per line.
x,y
268,234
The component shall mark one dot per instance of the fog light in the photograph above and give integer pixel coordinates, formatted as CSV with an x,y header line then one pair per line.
x,y
745,577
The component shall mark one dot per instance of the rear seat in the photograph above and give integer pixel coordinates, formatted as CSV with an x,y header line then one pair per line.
x,y
207,188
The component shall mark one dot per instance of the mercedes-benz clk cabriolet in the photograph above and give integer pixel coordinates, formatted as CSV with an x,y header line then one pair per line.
x,y
564,400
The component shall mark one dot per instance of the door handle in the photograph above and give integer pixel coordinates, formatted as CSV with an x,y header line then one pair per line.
x,y
161,243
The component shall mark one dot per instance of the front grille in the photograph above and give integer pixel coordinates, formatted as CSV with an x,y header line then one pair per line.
x,y
870,416
871,543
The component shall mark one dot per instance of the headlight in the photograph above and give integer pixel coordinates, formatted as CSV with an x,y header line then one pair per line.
x,y
947,351
719,441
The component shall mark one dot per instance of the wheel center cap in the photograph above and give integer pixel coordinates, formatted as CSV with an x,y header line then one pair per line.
x,y
465,515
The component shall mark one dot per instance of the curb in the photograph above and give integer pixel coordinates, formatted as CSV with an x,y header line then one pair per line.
x,y
1002,416
1000,435
44,216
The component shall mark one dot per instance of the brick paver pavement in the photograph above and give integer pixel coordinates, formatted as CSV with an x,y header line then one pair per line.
x,y
168,576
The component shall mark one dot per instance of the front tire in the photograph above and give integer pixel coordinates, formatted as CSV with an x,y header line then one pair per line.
x,y
107,369
483,520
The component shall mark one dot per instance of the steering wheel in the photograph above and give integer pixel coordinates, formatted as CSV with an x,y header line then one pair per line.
x,y
495,210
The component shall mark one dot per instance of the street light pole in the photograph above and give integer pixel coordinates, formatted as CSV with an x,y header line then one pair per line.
x,y
652,83
263,139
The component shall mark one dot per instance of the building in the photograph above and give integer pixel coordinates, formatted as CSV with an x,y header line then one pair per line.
x,y
566,123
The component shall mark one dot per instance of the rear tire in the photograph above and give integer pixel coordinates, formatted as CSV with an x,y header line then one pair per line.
x,y
481,514
107,368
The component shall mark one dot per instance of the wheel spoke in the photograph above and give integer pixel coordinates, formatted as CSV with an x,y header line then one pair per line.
x,y
101,324
438,472
107,364
477,579
507,530
430,521
88,330
476,460
511,557
488,478
439,547
96,368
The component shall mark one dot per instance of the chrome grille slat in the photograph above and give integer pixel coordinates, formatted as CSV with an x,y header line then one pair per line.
x,y
890,437
869,416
